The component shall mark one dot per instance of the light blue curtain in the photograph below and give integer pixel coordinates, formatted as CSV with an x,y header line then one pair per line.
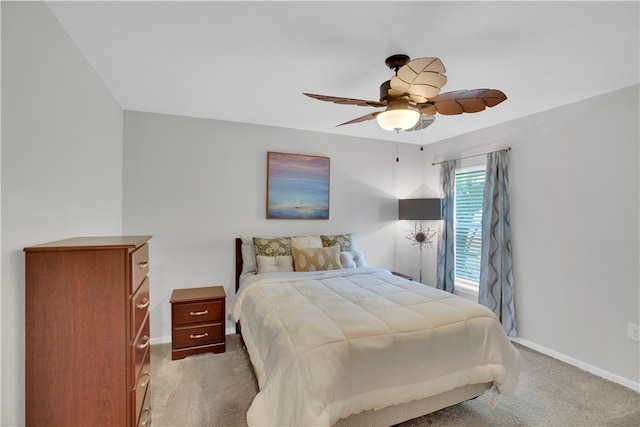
x,y
446,272
496,273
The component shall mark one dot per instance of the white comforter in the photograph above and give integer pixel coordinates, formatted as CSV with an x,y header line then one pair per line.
x,y
330,344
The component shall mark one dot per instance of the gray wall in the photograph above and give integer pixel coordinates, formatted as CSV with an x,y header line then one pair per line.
x,y
574,214
61,163
197,184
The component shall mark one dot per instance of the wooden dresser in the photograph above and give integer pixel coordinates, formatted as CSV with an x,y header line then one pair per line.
x,y
87,332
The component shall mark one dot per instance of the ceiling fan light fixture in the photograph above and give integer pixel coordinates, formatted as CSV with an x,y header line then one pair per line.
x,y
398,119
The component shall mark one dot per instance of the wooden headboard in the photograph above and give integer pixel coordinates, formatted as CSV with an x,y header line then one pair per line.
x,y
238,262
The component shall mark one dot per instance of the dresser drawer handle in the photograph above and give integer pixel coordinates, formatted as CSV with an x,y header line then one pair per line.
x,y
146,381
145,344
143,264
145,303
195,337
199,313
147,420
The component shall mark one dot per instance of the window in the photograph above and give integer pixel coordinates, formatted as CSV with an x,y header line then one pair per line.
x,y
469,187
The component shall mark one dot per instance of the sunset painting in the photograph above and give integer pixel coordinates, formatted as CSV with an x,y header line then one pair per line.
x,y
297,186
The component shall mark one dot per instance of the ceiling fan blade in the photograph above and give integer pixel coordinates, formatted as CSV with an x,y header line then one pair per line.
x,y
427,108
421,79
425,121
467,101
364,118
346,101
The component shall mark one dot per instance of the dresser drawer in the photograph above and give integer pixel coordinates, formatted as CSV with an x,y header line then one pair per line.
x,y
139,307
198,312
197,336
140,394
140,267
139,350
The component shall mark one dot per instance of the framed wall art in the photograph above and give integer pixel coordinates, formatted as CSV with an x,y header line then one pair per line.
x,y
297,186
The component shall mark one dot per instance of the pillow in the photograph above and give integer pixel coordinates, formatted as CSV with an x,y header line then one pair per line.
x,y
274,264
306,242
352,259
344,240
276,246
316,259
248,256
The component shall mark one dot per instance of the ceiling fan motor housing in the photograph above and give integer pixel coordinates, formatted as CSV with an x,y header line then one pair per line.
x,y
384,91
396,61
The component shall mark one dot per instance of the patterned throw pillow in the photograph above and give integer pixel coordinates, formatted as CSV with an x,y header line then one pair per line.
x,y
316,259
344,240
277,246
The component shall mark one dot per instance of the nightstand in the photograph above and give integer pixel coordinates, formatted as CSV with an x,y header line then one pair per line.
x,y
404,276
197,321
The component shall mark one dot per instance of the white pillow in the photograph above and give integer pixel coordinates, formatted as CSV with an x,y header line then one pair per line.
x,y
248,255
274,264
300,242
352,259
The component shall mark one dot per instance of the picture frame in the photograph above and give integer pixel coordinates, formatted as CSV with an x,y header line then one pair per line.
x,y
297,186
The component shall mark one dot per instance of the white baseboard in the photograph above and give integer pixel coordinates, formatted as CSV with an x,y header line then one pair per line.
x,y
580,364
161,340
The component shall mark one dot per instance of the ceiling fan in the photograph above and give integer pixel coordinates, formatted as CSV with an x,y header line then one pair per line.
x,y
412,97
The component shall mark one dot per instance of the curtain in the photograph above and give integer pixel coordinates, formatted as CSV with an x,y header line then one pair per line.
x,y
446,272
496,274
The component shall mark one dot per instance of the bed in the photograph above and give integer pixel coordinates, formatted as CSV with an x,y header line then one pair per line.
x,y
361,346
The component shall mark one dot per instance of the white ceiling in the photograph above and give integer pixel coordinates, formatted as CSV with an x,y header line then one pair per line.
x,y
251,61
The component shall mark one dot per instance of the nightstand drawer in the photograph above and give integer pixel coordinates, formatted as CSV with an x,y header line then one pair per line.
x,y
197,336
198,312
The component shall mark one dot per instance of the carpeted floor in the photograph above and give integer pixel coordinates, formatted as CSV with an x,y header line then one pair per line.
x,y
217,389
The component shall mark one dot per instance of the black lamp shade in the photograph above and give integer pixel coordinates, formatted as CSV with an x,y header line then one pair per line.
x,y
419,209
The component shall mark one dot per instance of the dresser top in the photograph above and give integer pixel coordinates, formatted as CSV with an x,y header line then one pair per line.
x,y
102,242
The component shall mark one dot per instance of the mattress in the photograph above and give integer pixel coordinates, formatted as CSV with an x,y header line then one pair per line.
x,y
326,345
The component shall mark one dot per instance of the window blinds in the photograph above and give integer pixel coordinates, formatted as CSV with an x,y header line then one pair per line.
x,y
468,223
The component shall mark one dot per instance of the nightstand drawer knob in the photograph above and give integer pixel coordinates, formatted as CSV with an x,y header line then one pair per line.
x,y
199,313
198,336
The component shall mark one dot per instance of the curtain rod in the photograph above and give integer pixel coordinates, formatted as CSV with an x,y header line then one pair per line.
x,y
468,157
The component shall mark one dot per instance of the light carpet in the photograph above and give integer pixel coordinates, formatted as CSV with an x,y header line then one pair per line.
x,y
217,389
